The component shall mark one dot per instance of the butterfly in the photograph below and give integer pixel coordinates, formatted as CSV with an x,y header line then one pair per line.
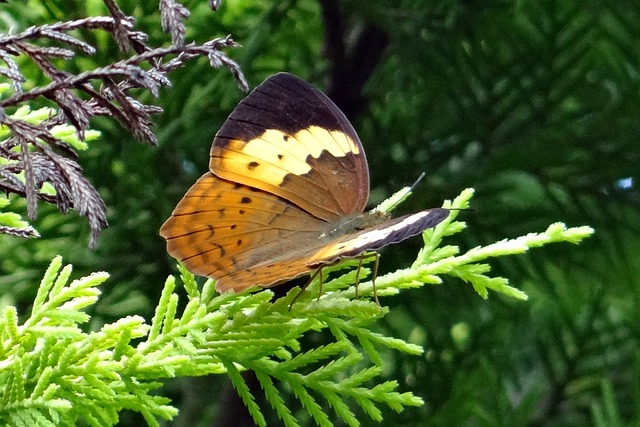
x,y
285,194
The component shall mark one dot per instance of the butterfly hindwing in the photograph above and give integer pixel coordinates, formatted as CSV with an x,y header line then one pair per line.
x,y
221,228
289,139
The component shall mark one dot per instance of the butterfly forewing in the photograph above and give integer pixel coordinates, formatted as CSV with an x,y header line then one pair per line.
x,y
289,139
386,233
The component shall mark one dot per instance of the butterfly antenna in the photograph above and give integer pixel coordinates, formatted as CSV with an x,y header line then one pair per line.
x,y
398,197
415,184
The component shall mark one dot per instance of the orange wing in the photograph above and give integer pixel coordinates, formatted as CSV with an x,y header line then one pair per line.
x,y
239,235
286,169
289,139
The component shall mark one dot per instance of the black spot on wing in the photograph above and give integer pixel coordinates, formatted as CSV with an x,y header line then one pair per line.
x,y
221,248
214,246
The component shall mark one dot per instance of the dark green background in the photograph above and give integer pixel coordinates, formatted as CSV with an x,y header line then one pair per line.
x,y
535,104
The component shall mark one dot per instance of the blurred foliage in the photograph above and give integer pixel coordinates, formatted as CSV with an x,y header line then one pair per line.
x,y
535,104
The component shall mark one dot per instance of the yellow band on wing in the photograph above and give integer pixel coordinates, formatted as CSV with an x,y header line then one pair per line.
x,y
274,154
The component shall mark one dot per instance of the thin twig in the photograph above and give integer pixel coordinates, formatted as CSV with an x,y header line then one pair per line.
x,y
30,158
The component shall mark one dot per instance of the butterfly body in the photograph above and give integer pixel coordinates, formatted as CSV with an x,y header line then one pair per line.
x,y
285,193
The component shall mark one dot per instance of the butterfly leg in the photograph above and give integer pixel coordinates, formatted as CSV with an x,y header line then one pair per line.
x,y
357,281
313,276
376,259
321,282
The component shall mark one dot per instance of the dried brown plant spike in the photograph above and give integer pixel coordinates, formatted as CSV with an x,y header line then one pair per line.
x,y
103,91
